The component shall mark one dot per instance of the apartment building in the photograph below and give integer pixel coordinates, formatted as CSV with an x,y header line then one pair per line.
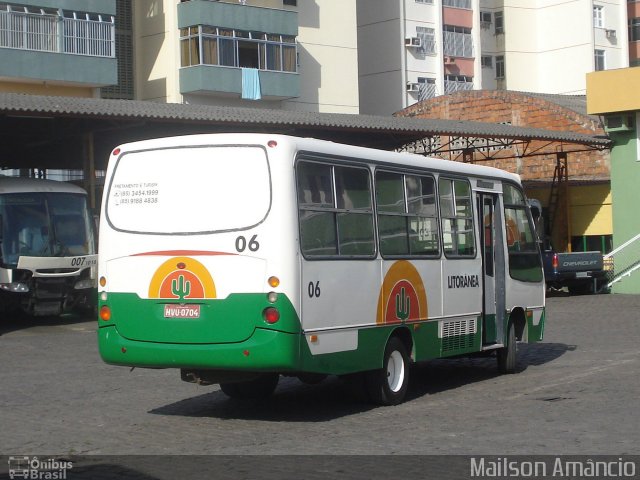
x,y
57,47
411,50
284,54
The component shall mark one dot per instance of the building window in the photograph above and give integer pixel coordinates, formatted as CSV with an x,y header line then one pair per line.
x,y
638,137
454,83
207,45
590,243
599,60
430,2
500,66
598,16
485,20
634,29
427,88
291,3
486,61
458,41
499,19
428,40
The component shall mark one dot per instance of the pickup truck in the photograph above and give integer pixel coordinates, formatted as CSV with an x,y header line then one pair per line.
x,y
580,272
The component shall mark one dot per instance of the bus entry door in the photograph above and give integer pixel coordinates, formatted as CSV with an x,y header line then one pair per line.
x,y
493,267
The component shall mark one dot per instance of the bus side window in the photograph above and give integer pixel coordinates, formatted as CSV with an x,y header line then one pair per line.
x,y
407,214
340,226
457,217
524,259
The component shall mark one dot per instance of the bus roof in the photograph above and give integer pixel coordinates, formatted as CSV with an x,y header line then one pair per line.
x,y
29,185
311,145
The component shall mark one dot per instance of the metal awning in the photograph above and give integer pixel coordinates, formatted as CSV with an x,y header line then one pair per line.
x,y
63,132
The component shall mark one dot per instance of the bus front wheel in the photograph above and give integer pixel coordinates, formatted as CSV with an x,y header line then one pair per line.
x,y
508,355
388,385
258,388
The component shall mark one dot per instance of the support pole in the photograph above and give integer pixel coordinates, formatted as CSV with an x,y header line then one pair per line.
x,y
89,167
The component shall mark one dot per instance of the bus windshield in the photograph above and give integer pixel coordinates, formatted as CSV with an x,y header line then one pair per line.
x,y
44,225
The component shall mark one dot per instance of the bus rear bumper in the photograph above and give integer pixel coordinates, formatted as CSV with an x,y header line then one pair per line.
x,y
265,350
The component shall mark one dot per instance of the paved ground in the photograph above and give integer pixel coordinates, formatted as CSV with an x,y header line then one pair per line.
x,y
577,393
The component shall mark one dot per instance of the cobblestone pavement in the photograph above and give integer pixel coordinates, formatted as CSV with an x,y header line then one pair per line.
x,y
576,393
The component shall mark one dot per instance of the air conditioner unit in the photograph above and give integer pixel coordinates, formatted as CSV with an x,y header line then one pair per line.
x,y
610,33
449,60
413,87
414,42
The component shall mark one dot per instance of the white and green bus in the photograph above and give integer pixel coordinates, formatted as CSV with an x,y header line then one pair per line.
x,y
238,258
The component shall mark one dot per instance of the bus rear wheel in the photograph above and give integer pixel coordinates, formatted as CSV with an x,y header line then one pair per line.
x,y
388,385
508,355
257,388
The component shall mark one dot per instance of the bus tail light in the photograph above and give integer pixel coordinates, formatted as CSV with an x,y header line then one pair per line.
x,y
554,262
271,315
105,313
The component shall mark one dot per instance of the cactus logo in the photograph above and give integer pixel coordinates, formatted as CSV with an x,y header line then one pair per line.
x,y
402,296
181,278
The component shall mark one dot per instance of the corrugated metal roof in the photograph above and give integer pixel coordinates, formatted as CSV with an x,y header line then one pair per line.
x,y
29,105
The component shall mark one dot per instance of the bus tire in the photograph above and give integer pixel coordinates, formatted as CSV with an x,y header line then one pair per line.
x,y
257,388
388,385
508,356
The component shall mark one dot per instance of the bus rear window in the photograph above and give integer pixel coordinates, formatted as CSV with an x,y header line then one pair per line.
x,y
190,190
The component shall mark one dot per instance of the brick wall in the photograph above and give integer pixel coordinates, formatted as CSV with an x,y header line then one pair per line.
x,y
522,110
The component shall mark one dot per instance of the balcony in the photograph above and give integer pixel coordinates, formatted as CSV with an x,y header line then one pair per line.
x,y
237,16
218,40
227,81
50,47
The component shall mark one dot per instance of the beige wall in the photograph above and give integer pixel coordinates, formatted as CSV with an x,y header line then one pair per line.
x,y
43,88
156,47
327,49
613,91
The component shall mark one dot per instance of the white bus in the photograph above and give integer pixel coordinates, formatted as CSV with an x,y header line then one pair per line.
x,y
48,260
238,258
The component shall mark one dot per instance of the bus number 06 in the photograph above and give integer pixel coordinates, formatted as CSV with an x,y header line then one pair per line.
x,y
314,290
241,244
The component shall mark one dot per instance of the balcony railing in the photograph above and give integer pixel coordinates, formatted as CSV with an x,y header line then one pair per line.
x,y
427,91
457,4
51,33
451,86
458,44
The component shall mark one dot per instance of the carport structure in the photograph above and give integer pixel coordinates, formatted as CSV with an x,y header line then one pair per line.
x,y
46,132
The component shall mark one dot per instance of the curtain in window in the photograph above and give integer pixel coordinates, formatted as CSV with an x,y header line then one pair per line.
x,y
289,59
209,51
273,57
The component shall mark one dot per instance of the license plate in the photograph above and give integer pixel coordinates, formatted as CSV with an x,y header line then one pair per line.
x,y
582,274
182,311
